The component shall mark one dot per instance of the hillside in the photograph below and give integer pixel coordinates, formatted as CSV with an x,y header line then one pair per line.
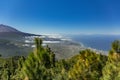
x,y
5,28
41,64
17,43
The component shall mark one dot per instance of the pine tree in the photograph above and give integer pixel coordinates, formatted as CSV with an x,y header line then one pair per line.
x,y
112,69
116,46
87,67
38,64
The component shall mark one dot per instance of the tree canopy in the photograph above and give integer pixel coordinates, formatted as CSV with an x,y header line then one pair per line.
x,y
42,65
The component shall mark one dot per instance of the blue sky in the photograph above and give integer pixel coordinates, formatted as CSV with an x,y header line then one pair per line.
x,y
62,16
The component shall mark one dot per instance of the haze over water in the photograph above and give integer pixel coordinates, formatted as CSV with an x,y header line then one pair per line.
x,y
100,42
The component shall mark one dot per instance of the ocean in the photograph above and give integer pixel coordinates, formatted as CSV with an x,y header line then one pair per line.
x,y
99,42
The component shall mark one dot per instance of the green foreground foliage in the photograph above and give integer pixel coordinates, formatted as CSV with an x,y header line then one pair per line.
x,y
42,65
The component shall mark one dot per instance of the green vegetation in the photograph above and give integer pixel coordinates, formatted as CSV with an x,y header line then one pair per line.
x,y
42,65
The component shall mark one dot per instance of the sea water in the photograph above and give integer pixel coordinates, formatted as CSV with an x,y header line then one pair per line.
x,y
99,42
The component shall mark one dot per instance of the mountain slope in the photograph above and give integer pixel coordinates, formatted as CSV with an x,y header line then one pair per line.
x,y
7,32
5,28
16,43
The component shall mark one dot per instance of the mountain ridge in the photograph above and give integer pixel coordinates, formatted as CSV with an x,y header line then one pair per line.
x,y
6,28
6,31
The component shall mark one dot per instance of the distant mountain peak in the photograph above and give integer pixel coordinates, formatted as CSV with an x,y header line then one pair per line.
x,y
6,28
8,31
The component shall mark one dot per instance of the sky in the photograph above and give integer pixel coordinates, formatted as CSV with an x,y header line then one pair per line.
x,y
62,16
